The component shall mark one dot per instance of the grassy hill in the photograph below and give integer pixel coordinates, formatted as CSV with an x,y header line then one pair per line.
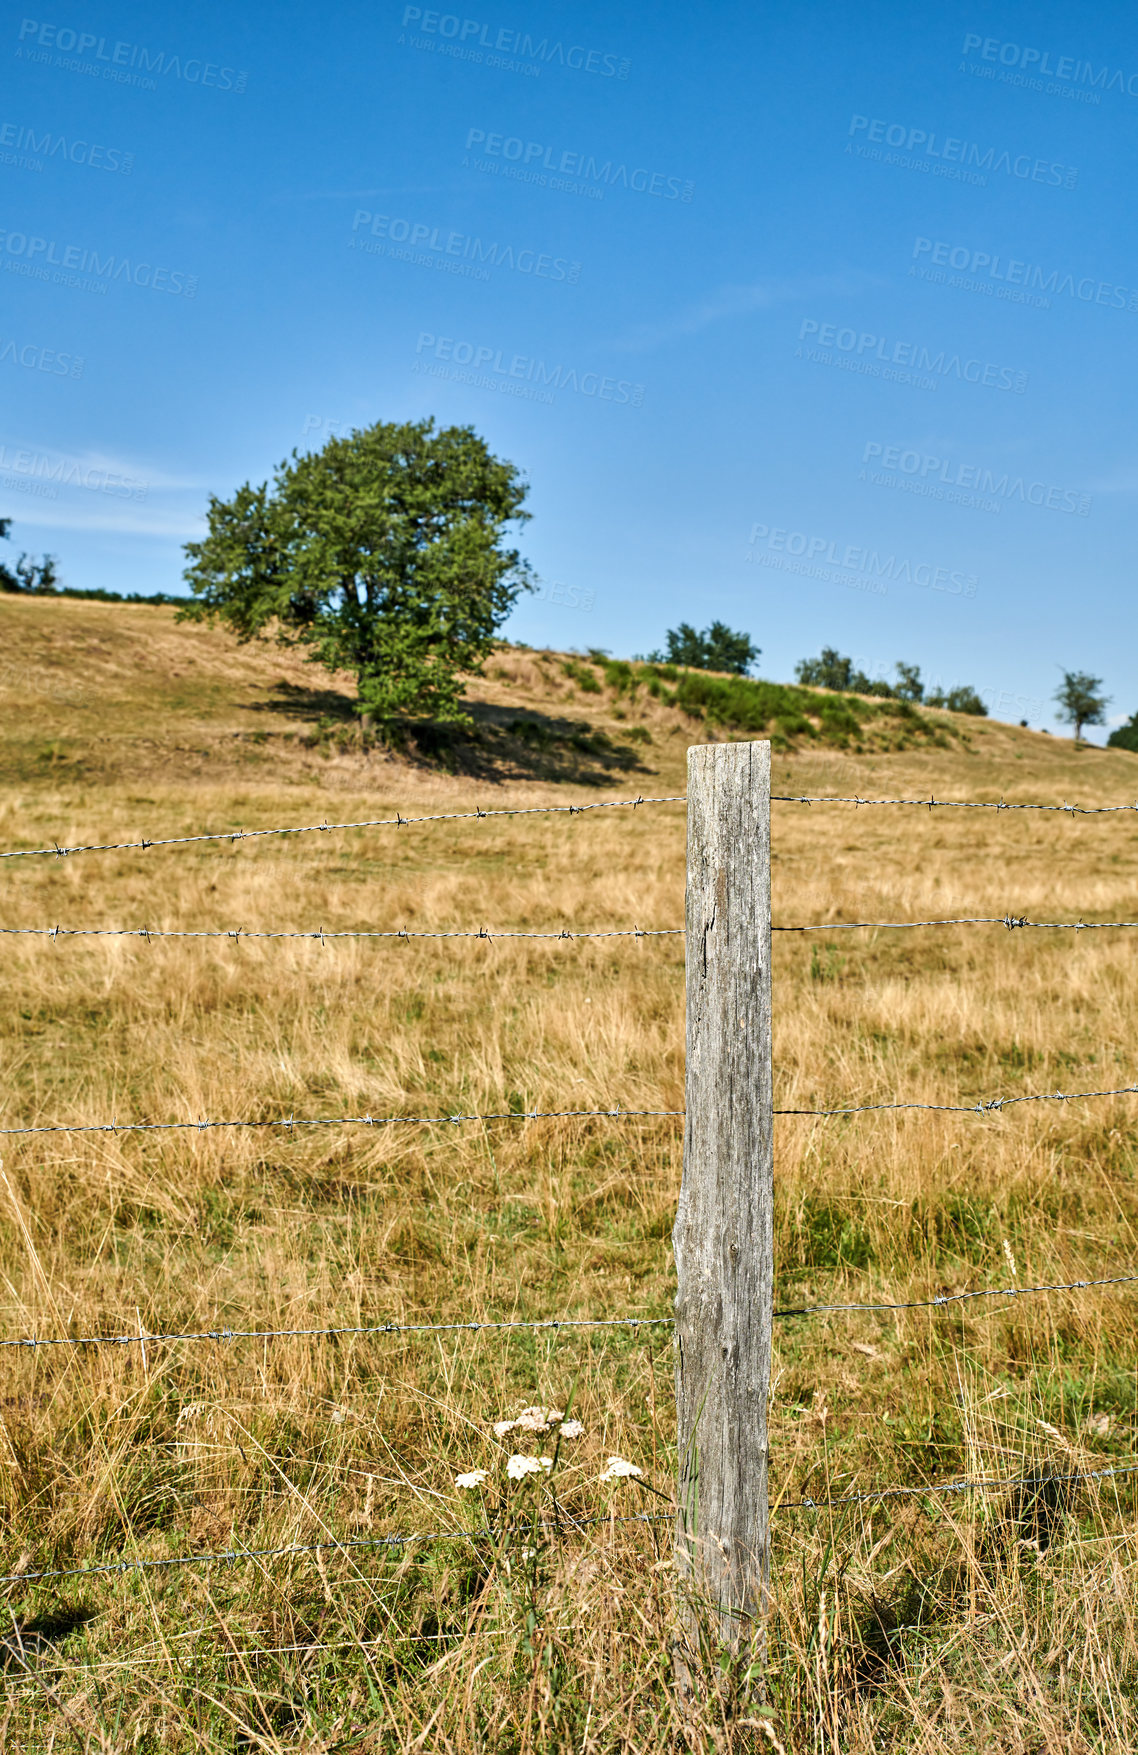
x,y
952,1623
99,693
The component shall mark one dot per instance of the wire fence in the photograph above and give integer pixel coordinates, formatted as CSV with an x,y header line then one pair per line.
x,y
983,1106
562,1522
56,851
59,851
325,935
479,1325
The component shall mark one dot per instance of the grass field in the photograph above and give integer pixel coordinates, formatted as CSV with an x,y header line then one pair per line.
x,y
975,1622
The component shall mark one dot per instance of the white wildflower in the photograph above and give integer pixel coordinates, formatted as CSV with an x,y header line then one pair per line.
x,y
537,1419
618,1469
501,1427
519,1467
474,1479
571,1429
546,1462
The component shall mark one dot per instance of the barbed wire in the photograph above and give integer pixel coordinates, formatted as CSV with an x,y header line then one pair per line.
x,y
876,1494
355,1544
932,803
398,821
938,1302
1011,921
983,1106
164,1337
323,934
56,851
351,1544
141,1338
291,1121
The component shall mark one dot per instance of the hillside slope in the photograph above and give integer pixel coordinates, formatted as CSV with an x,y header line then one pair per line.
x,y
107,694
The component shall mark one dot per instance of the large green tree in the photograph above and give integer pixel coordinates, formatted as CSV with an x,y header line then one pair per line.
x,y
384,553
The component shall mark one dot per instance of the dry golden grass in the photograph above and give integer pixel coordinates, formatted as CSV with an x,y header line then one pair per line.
x,y
981,1622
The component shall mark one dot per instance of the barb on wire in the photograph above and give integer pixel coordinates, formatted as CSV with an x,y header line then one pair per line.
x,y
55,851
876,1494
937,1303
323,934
984,1106
377,1328
352,1544
931,803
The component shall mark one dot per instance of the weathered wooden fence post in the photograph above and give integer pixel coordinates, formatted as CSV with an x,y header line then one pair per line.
x,y
723,1237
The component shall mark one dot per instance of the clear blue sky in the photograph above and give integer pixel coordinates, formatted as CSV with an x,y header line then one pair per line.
x,y
830,331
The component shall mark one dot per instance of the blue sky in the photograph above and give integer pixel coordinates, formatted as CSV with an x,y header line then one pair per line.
x,y
820,320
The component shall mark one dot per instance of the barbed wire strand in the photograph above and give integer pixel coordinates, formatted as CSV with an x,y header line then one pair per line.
x,y
167,1337
938,1302
231,1556
983,1106
352,1544
931,803
992,1484
397,821
322,934
291,1121
379,1328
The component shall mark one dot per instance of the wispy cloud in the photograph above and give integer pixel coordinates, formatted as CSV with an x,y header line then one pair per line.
x,y
107,518
734,301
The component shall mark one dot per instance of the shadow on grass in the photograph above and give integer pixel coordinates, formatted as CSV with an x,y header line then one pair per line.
x,y
500,743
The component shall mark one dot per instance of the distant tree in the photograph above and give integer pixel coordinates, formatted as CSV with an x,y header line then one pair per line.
x,y
38,577
962,699
909,684
828,671
383,553
1080,700
717,648
1125,737
832,670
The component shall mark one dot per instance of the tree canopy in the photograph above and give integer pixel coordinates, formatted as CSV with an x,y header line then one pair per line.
x,y
1081,701
717,648
39,577
384,553
833,670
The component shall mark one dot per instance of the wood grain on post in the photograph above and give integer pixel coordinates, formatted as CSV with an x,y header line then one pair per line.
x,y
723,1236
